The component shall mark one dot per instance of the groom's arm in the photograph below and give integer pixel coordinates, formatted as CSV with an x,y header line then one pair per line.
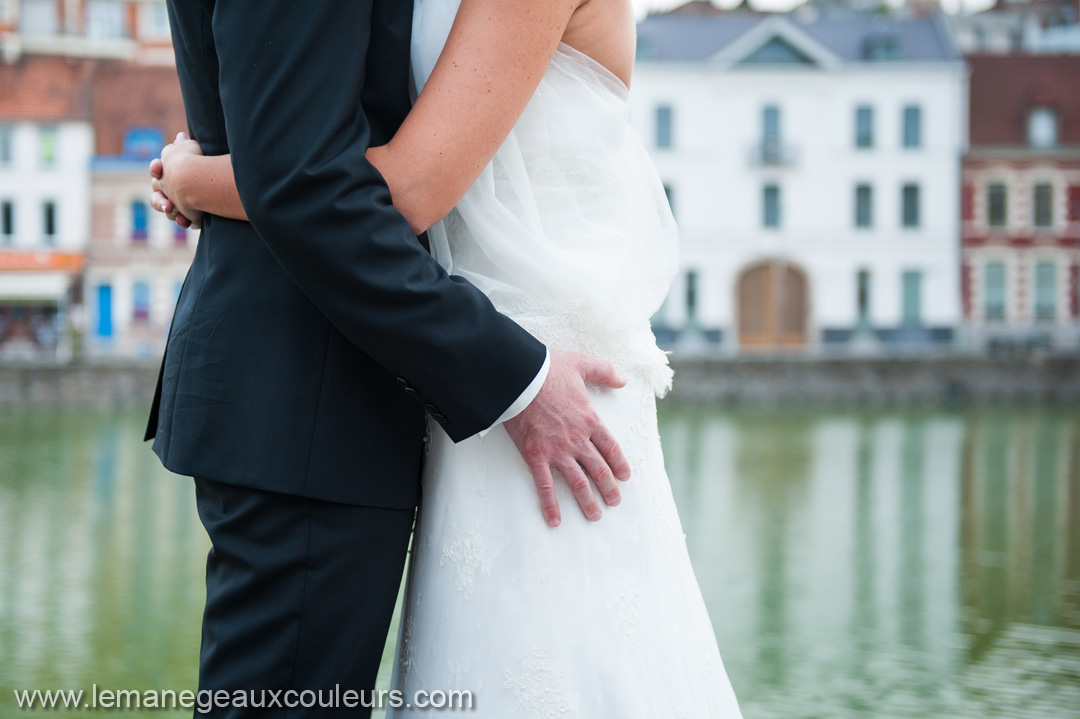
x,y
291,75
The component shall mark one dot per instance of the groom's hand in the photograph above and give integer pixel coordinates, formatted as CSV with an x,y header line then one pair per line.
x,y
561,429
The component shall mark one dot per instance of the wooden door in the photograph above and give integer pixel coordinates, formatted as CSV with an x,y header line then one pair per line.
x,y
772,306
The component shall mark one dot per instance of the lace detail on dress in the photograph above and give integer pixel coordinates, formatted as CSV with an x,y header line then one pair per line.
x,y
539,688
467,553
408,649
625,606
642,433
457,669
574,329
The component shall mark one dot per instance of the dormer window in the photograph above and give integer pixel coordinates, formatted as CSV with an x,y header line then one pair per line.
x,y
883,48
1042,128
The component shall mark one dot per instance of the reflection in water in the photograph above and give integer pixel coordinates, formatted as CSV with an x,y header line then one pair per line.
x,y
893,564
890,564
101,559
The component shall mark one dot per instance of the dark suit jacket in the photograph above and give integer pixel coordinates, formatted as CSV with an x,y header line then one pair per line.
x,y
307,345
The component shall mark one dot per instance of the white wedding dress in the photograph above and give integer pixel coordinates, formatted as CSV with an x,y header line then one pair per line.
x,y
568,231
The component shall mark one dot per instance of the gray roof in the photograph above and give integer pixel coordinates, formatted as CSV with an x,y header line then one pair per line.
x,y
675,38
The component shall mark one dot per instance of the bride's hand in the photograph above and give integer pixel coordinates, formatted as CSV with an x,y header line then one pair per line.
x,y
561,429
167,182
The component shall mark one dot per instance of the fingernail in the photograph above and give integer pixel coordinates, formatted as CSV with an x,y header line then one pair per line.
x,y
554,522
614,501
595,517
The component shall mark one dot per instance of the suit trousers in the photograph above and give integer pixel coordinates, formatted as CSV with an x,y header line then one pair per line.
x,y
299,597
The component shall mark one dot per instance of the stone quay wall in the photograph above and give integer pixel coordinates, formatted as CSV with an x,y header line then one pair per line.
x,y
877,381
792,381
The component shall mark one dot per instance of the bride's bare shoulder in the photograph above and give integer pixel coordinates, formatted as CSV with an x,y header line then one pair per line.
x,y
605,30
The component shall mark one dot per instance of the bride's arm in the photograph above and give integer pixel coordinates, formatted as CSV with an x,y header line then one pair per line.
x,y
493,61
494,58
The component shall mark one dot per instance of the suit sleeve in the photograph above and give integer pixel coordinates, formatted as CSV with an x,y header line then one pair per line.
x,y
291,75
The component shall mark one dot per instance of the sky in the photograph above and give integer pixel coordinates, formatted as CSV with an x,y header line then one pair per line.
x,y
950,6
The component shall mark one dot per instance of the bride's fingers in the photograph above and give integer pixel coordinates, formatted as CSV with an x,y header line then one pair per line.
x,y
597,469
582,489
545,487
609,449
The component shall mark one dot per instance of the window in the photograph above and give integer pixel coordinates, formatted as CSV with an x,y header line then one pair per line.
x,y
1045,290
996,213
143,143
691,296
105,19
912,126
48,222
140,302
994,291
770,134
1042,128
139,221
48,145
979,38
39,17
912,305
910,205
1044,209
104,311
7,221
7,143
663,126
864,126
669,193
879,48
864,206
153,21
771,205
863,297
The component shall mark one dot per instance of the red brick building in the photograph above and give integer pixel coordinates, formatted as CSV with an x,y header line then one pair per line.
x,y
137,259
1021,202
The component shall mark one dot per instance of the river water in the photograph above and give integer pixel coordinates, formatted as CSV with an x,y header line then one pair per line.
x,y
856,564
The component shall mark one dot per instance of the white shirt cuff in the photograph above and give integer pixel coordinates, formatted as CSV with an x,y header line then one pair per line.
x,y
526,397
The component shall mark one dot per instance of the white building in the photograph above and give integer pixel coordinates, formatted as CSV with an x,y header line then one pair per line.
x,y
814,170
44,225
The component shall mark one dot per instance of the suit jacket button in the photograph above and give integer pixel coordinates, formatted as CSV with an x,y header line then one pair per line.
x,y
438,418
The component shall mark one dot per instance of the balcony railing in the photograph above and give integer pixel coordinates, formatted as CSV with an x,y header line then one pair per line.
x,y
771,152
